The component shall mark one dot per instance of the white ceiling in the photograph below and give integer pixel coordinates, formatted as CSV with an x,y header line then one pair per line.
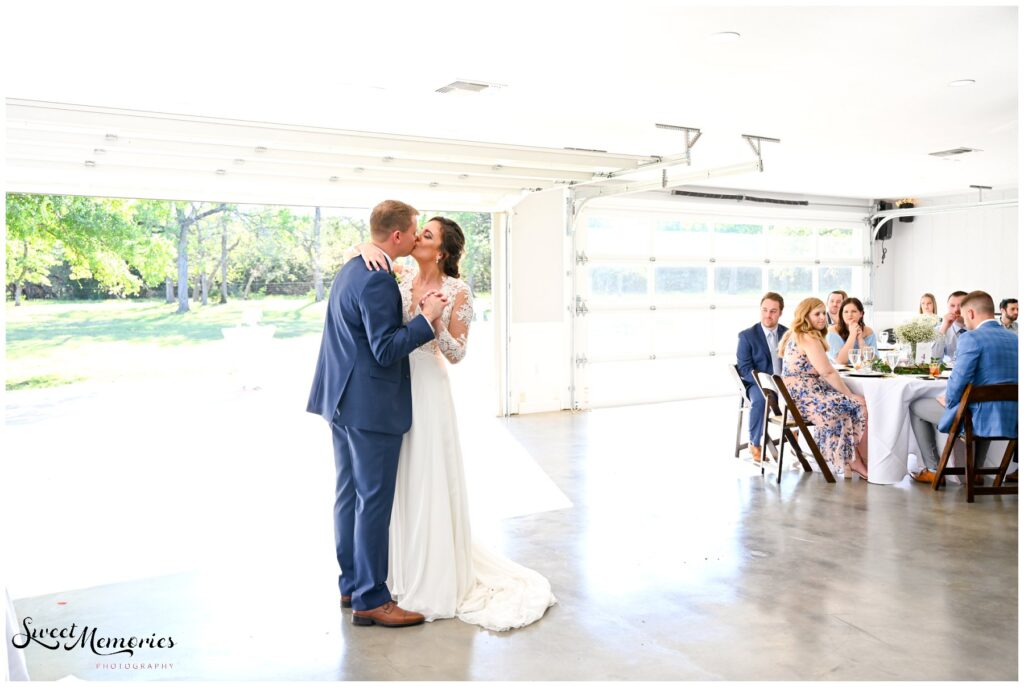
x,y
859,96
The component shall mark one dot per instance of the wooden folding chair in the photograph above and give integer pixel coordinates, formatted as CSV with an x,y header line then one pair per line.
x,y
744,409
805,432
782,419
978,394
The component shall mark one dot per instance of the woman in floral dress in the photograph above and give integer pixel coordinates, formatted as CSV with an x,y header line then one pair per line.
x,y
839,416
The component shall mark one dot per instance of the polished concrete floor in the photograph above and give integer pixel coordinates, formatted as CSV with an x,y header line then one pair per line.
x,y
674,561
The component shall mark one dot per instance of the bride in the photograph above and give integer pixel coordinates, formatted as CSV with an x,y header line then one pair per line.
x,y
435,568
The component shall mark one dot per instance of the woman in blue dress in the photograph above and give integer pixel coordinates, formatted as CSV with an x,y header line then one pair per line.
x,y
850,333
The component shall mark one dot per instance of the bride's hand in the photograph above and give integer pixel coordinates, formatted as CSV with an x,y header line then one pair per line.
x,y
373,257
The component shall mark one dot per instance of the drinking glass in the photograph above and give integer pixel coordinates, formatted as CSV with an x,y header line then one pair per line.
x,y
892,359
855,359
867,355
935,367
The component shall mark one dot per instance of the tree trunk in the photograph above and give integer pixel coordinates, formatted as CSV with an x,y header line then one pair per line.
x,y
204,284
224,261
182,262
318,274
248,284
169,286
17,293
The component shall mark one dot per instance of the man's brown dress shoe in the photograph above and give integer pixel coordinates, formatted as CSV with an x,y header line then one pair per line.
x,y
755,453
927,476
388,615
346,602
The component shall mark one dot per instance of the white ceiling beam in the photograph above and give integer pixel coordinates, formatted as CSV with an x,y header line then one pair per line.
x,y
127,123
86,146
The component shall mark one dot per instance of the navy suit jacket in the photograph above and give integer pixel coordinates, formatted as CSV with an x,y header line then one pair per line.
x,y
362,373
987,355
752,353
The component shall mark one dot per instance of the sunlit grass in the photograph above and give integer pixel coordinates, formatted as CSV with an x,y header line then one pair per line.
x,y
50,343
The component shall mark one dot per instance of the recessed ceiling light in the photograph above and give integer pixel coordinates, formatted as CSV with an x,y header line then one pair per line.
x,y
239,161
98,151
222,172
725,36
332,179
261,149
961,82
359,170
112,138
90,163
434,184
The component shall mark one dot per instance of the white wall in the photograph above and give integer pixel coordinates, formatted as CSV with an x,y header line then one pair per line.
x,y
973,249
539,319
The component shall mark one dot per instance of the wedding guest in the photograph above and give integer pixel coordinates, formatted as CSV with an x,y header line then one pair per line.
x,y
950,328
1008,314
987,355
821,395
928,305
835,299
850,333
758,351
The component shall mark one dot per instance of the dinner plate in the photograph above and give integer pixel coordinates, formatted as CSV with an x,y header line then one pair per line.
x,y
865,374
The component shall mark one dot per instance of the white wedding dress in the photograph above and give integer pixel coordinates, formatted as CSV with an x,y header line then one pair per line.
x,y
434,566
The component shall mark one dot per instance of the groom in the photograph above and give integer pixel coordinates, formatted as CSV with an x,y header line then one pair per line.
x,y
362,388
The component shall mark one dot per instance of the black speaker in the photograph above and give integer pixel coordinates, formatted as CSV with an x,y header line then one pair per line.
x,y
906,206
885,233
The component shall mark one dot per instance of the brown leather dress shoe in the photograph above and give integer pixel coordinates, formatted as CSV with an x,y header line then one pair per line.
x,y
927,476
346,602
388,615
755,453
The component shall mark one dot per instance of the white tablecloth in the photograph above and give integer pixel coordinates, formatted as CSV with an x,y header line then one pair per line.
x,y
890,438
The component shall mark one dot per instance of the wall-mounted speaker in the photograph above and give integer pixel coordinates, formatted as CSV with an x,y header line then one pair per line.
x,y
885,233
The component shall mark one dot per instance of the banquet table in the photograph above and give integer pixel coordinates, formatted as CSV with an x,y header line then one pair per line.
x,y
890,438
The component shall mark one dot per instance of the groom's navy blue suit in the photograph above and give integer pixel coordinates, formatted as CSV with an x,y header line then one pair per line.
x,y
362,387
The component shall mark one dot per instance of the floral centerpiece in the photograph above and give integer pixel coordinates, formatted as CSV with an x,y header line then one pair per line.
x,y
919,330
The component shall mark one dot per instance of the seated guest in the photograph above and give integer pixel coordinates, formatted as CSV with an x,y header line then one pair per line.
x,y
821,395
950,328
987,355
1008,314
835,299
850,333
928,305
757,351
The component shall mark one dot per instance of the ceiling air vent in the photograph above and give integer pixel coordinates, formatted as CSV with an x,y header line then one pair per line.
x,y
466,86
955,151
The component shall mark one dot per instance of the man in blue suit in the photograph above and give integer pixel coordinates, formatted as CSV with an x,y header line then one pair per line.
x,y
758,351
362,388
986,354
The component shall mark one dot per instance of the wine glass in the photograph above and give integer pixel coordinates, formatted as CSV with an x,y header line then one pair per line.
x,y
892,359
867,355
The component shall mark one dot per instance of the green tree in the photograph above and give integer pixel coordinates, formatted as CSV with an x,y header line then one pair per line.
x,y
97,237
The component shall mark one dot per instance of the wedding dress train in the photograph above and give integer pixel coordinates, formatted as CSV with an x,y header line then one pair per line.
x,y
435,568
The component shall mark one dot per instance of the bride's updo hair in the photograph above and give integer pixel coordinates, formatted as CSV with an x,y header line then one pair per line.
x,y
453,243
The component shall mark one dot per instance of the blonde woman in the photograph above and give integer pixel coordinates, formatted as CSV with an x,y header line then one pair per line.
x,y
820,394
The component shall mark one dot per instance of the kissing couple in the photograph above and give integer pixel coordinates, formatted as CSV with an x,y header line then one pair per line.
x,y
401,514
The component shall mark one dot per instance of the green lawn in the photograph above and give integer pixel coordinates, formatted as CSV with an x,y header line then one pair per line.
x,y
50,343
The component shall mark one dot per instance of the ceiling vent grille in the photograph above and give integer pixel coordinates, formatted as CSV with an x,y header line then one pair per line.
x,y
955,151
467,86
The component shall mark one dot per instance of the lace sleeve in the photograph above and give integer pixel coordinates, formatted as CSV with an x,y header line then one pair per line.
x,y
451,340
